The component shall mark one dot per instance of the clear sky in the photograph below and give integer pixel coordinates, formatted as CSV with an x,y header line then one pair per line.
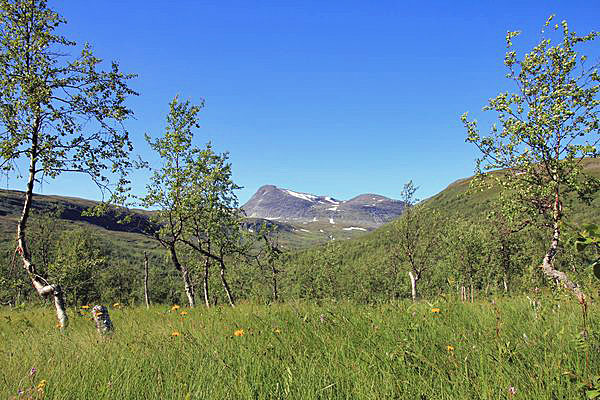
x,y
328,97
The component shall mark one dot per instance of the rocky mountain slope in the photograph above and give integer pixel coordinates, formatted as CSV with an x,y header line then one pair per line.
x,y
366,211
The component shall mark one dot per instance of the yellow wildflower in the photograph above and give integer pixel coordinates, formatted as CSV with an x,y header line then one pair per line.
x,y
183,313
175,308
435,310
175,334
85,307
40,386
277,330
239,332
450,348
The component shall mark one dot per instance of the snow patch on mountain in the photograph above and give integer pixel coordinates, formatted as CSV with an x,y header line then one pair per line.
x,y
303,196
353,228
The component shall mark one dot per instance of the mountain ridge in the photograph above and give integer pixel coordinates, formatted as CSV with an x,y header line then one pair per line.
x,y
366,210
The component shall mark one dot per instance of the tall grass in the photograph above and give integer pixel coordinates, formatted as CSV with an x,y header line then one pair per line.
x,y
511,349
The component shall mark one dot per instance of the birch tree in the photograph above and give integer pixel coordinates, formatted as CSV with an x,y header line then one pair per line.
x,y
269,255
468,254
506,219
548,126
194,193
167,190
416,236
212,215
58,114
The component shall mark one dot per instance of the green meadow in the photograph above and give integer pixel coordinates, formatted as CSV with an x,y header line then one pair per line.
x,y
530,347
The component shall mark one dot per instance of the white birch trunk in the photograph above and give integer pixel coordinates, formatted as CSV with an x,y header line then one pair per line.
x,y
413,284
189,288
205,282
146,293
185,275
40,284
547,266
225,284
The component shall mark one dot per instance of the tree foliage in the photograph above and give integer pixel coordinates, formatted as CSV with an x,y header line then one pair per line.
x,y
65,114
547,127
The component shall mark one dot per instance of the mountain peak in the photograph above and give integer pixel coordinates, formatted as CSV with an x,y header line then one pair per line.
x,y
365,210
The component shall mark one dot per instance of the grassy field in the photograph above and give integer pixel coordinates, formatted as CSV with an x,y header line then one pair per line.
x,y
446,350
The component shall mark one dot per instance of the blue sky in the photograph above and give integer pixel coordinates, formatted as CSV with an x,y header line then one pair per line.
x,y
336,98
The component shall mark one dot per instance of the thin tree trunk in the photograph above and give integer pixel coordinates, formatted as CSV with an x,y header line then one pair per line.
x,y
413,284
185,275
189,287
504,250
547,266
226,285
146,294
472,293
274,282
39,283
205,279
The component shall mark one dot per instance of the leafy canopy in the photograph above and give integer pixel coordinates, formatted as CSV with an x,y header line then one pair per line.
x,y
548,126
63,113
193,189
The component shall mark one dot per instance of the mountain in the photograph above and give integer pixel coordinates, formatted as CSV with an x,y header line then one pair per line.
x,y
366,211
68,212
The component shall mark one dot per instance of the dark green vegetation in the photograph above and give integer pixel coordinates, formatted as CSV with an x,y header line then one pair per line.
x,y
533,348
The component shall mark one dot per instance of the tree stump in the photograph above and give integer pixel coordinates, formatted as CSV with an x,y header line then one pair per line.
x,y
102,319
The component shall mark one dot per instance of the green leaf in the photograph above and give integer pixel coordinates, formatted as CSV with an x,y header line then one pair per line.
x,y
580,245
592,229
596,267
592,394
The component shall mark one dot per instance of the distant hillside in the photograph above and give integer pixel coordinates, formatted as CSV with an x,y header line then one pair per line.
x,y
69,211
365,211
69,208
